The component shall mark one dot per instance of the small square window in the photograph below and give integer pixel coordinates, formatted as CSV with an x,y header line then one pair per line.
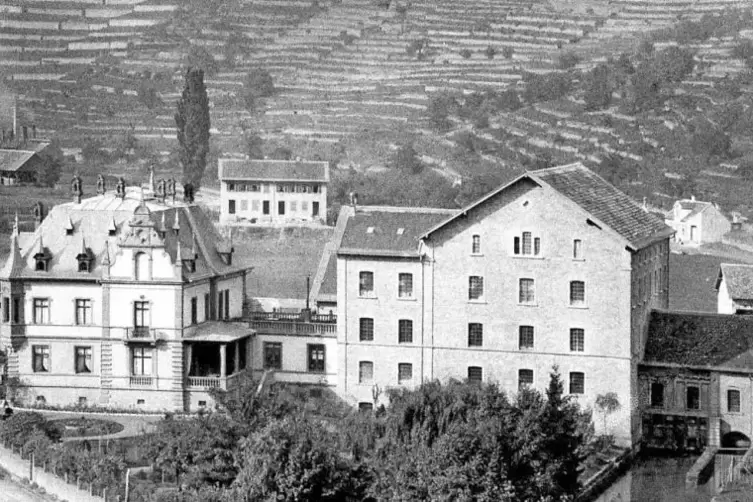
x,y
475,374
475,334
139,402
525,378
273,355
525,337
577,383
316,358
476,244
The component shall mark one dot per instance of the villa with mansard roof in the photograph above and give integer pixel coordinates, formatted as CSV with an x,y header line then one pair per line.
x,y
128,299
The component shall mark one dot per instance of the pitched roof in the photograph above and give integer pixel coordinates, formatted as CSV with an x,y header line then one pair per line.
x,y
13,160
595,196
739,280
92,221
601,199
273,170
389,231
700,340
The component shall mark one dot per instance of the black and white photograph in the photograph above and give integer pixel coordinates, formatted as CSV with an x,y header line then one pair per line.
x,y
376,250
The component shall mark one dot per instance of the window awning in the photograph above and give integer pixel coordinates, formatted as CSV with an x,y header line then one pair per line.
x,y
219,332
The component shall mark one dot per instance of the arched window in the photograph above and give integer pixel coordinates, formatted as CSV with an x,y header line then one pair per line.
x,y
141,267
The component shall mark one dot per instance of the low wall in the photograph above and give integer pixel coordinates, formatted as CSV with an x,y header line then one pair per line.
x,y
21,468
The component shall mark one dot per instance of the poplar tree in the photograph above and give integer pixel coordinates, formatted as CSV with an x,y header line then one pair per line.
x,y
192,121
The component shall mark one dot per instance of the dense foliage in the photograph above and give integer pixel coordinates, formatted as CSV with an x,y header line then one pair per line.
x,y
192,121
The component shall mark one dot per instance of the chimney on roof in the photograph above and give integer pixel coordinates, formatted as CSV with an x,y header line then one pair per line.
x,y
120,188
152,186
38,214
76,189
101,185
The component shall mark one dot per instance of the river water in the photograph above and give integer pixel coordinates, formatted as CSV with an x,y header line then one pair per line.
x,y
658,479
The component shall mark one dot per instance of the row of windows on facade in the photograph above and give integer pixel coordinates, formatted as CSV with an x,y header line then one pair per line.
x,y
141,359
292,206
475,334
527,245
475,375
693,398
526,288
315,356
141,310
266,187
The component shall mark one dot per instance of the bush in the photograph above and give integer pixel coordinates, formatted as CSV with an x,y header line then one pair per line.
x,y
406,159
258,84
507,52
20,427
490,52
466,53
568,60
547,87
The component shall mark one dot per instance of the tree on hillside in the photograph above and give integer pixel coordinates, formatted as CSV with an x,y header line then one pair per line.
x,y
440,107
254,145
258,84
709,139
597,88
192,121
282,153
199,57
646,86
546,87
673,64
406,159
48,170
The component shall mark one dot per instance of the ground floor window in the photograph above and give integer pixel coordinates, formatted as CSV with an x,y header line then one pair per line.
x,y
83,359
316,354
40,358
141,361
475,374
273,355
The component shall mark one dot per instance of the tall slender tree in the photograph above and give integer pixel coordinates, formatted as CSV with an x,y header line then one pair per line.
x,y
192,120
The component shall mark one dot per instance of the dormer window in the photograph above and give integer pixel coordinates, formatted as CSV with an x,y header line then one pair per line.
x,y
41,257
83,265
190,265
41,265
112,230
69,227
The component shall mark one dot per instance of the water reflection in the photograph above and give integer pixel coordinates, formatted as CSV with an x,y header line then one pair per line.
x,y
658,479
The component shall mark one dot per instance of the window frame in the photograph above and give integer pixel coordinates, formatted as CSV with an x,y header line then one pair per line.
x,y
6,309
653,392
362,378
574,383
86,353
577,340
476,291
526,245
401,379
405,286
475,334
730,392
526,332
316,364
365,276
194,310
41,353
473,373
269,349
578,254
530,291
364,328
142,353
476,245
142,313
40,310
697,399
404,331
525,384
577,289
83,306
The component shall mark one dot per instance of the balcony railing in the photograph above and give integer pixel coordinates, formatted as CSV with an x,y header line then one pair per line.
x,y
212,382
141,381
296,316
141,334
295,328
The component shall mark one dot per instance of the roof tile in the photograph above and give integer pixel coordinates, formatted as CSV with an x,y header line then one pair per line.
x,y
738,279
273,170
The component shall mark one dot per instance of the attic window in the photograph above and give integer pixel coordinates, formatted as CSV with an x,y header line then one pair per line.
x,y
83,266
400,231
190,265
41,265
112,232
69,231
370,230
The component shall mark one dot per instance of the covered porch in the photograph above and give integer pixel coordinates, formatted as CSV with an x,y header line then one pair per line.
x,y
215,354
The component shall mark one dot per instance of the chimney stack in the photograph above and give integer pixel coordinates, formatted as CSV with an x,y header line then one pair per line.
x,y
76,189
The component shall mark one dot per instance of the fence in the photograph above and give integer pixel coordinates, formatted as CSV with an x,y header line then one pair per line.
x,y
63,488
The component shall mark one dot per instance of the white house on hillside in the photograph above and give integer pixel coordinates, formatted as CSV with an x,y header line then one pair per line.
x,y
697,222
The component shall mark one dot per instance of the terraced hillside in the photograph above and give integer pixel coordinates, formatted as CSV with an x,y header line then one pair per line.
x,y
355,78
